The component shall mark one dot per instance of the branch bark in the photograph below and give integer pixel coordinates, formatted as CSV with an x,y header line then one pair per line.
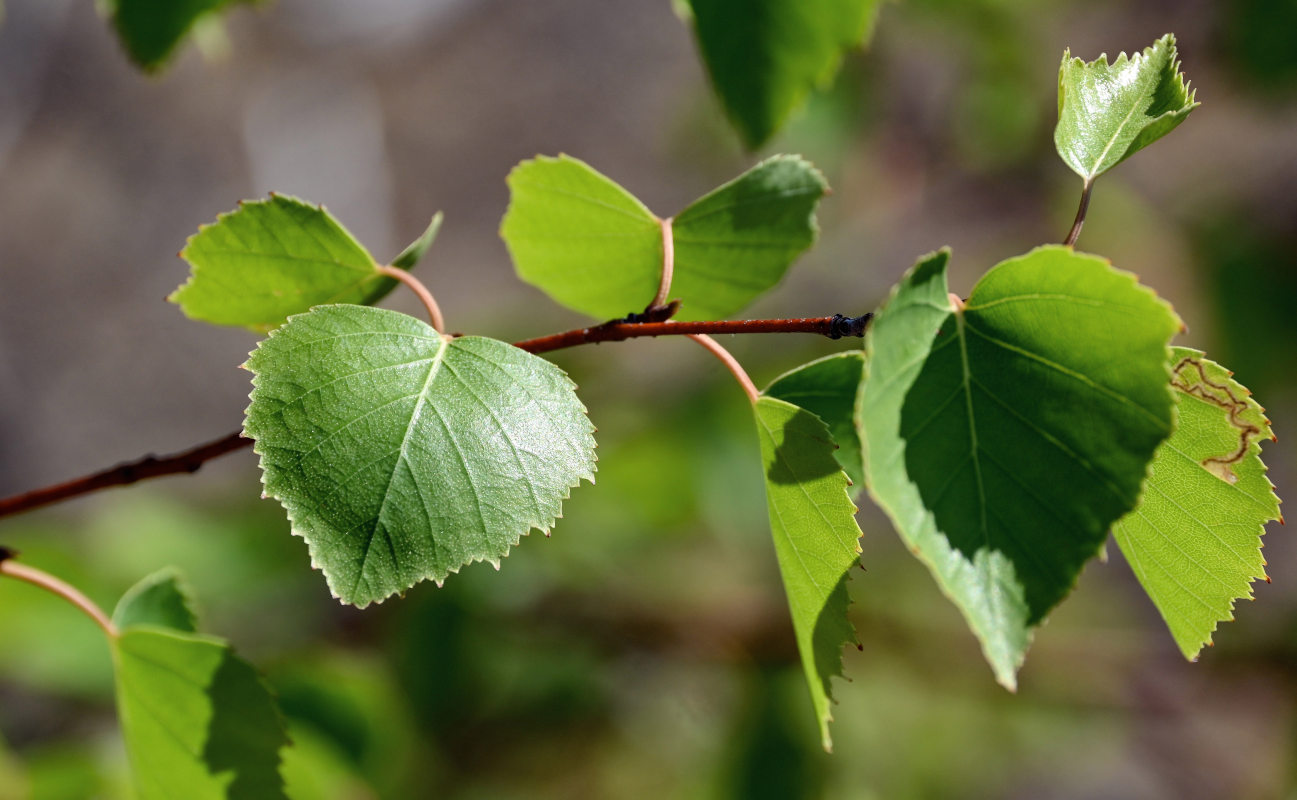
x,y
150,466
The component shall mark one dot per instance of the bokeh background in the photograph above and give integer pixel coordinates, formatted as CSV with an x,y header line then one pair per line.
x,y
644,650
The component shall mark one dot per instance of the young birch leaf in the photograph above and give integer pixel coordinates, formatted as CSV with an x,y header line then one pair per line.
x,y
816,539
1195,539
590,245
735,243
401,456
1003,437
581,238
161,599
198,721
1107,112
828,388
270,259
765,56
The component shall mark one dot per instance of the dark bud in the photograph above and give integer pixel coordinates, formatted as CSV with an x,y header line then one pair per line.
x,y
841,326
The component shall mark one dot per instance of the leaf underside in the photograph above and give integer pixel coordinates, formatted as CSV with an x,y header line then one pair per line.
x,y
1108,112
1195,540
400,456
816,540
1003,439
765,56
269,259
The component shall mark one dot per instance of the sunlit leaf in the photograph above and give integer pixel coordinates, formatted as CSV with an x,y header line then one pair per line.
x,y
198,721
1108,112
1195,539
765,56
816,539
736,243
402,456
1005,436
581,238
828,388
590,245
270,259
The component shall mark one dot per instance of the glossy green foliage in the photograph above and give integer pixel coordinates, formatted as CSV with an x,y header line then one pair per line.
x,y
1003,437
160,599
829,389
736,243
590,245
270,259
581,238
816,539
1195,539
765,56
151,30
401,456
1108,112
198,721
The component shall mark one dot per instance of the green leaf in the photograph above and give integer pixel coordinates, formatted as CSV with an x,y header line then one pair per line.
x,y
828,388
150,30
413,254
1004,437
1195,540
401,456
198,721
590,245
580,238
1108,112
270,259
162,599
736,243
765,56
816,539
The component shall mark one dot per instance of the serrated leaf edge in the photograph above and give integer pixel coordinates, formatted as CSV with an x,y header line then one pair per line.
x,y
1183,87
306,532
177,294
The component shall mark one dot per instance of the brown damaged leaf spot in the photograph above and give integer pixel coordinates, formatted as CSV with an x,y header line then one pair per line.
x,y
1190,377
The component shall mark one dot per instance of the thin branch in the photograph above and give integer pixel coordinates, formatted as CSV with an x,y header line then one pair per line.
x,y
668,264
416,286
834,327
53,585
731,363
1080,214
125,474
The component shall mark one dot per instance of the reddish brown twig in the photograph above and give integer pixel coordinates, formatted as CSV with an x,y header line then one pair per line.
x,y
835,327
125,474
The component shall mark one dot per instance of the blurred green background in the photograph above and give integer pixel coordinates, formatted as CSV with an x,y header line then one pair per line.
x,y
645,649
